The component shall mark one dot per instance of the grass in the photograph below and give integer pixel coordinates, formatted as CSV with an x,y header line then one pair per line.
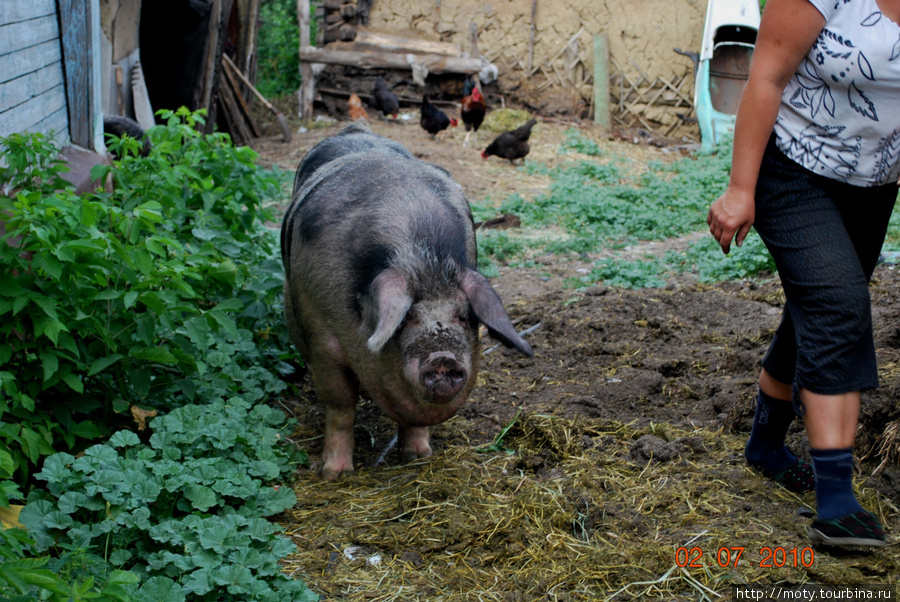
x,y
600,202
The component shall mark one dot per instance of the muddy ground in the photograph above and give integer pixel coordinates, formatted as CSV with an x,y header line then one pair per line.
x,y
683,358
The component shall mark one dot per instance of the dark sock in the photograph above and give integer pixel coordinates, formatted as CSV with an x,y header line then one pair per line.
x,y
834,483
765,447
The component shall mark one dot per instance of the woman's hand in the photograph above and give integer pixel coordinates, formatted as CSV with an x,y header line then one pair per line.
x,y
730,217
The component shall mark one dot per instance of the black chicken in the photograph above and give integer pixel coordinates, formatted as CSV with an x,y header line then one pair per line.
x,y
385,100
511,145
433,119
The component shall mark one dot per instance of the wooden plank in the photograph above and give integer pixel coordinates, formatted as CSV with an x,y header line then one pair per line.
x,y
27,114
20,63
30,33
22,89
75,20
393,43
246,115
55,124
13,11
373,60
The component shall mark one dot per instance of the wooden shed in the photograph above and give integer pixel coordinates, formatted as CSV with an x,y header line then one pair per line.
x,y
49,75
65,64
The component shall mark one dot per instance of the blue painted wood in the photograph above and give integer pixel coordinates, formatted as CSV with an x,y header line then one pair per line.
x,y
56,125
14,11
28,114
30,85
17,64
19,36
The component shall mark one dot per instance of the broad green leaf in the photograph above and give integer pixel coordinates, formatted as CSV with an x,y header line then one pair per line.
x,y
100,364
7,465
49,264
73,381
160,589
47,304
50,363
153,301
34,445
155,247
67,343
155,354
225,271
49,328
130,299
202,498
19,304
230,305
86,430
108,295
142,260
124,439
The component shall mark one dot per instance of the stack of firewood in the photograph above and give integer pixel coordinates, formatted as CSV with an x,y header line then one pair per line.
x,y
339,19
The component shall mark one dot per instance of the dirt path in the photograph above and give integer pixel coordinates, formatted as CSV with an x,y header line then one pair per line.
x,y
683,358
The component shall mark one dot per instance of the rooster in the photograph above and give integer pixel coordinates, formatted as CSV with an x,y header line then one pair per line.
x,y
473,109
433,119
385,100
511,145
355,108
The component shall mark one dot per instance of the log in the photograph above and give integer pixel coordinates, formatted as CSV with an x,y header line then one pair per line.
x,y
386,60
390,43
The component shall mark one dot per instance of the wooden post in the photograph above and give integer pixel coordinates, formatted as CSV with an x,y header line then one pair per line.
x,y
307,81
80,33
601,81
473,51
531,37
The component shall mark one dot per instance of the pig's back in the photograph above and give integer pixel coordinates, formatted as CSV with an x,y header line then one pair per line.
x,y
354,215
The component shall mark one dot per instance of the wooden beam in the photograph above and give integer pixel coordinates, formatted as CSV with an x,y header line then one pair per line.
x,y
387,60
390,43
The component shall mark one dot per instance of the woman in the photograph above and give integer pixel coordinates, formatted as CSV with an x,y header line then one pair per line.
x,y
815,170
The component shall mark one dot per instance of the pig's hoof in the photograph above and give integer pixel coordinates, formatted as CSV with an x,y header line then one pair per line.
x,y
411,455
330,474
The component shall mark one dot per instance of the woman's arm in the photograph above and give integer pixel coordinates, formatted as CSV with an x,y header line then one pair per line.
x,y
787,31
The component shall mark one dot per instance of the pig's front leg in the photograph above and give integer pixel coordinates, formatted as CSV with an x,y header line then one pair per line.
x,y
338,391
413,443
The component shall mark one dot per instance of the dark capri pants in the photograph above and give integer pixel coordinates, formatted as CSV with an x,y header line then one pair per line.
x,y
825,237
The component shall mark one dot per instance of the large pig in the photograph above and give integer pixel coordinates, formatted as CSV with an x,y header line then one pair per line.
x,y
381,291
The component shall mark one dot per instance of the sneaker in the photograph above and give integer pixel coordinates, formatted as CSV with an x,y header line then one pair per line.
x,y
798,477
857,529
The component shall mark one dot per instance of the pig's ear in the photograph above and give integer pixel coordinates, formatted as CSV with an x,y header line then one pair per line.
x,y
487,307
391,300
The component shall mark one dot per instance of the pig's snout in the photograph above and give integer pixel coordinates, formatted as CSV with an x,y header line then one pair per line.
x,y
443,376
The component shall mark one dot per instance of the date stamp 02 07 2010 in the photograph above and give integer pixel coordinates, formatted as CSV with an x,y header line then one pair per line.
x,y
776,557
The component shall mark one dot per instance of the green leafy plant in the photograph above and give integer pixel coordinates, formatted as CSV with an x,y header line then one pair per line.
x,y
184,512
164,291
646,273
279,38
578,143
599,206
747,261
